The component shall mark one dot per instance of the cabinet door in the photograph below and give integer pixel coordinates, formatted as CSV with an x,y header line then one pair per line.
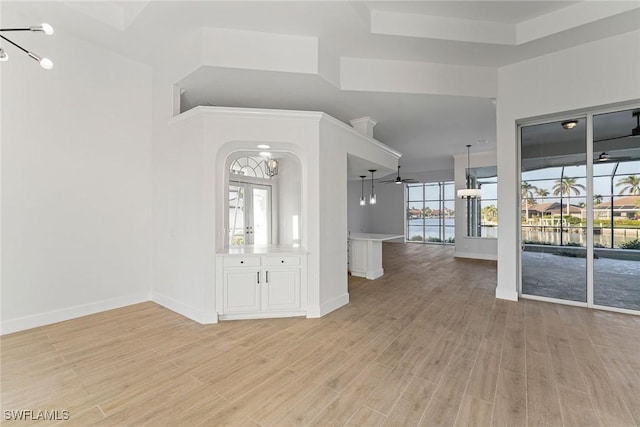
x,y
241,290
282,289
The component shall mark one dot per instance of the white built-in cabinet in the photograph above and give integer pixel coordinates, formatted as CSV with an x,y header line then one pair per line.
x,y
261,285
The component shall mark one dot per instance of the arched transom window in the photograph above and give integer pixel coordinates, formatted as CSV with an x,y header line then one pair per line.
x,y
250,167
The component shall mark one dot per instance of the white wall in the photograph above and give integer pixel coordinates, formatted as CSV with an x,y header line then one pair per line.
x,y
388,214
76,181
590,75
472,247
289,198
358,217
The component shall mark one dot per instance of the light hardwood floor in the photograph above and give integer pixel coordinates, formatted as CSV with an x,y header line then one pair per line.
x,y
426,344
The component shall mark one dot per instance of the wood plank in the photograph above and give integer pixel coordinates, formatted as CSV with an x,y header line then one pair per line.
x,y
543,406
510,405
366,416
474,413
412,403
343,407
576,408
444,405
484,377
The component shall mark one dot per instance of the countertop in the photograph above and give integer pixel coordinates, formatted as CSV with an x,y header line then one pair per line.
x,y
371,236
263,250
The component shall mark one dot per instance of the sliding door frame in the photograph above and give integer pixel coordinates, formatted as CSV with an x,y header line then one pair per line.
x,y
582,114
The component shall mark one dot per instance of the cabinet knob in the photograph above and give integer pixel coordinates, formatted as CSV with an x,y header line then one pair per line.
x,y
241,262
282,261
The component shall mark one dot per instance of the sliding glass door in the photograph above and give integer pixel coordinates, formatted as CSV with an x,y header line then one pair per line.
x,y
553,219
580,210
616,210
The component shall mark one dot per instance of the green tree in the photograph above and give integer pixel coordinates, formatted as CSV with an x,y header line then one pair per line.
x,y
490,214
527,190
542,193
630,184
566,186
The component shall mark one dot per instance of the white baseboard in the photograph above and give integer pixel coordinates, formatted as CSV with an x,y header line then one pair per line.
x,y
262,315
186,310
472,255
507,294
60,315
327,307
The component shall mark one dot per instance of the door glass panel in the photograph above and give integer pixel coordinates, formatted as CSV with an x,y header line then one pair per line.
x,y
236,215
261,217
616,210
553,215
249,214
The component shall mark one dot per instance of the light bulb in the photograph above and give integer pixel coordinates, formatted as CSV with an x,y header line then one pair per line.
x,y
263,146
3,55
362,201
46,28
46,63
372,199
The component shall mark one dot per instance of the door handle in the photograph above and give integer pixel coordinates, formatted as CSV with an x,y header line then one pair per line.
x,y
267,281
258,274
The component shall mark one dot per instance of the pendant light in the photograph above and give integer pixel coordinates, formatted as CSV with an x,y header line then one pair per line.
x,y
372,197
469,193
362,200
271,167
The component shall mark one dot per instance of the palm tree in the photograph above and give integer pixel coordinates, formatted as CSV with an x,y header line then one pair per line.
x,y
542,193
631,184
597,199
567,186
490,213
526,190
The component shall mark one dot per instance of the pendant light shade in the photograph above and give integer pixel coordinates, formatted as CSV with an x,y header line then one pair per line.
x,y
372,197
362,199
469,193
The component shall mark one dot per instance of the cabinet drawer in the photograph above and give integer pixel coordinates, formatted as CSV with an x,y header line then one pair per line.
x,y
241,261
281,260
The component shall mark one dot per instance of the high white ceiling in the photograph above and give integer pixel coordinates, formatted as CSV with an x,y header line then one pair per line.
x,y
427,128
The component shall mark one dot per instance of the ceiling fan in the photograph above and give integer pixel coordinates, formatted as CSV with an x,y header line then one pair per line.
x,y
605,157
399,180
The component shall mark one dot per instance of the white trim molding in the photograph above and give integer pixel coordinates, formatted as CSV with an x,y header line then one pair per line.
x,y
507,294
55,316
186,310
316,311
473,255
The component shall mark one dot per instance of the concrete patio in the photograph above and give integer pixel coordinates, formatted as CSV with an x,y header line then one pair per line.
x,y
616,281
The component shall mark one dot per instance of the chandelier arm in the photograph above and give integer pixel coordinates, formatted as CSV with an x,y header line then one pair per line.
x,y
15,44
